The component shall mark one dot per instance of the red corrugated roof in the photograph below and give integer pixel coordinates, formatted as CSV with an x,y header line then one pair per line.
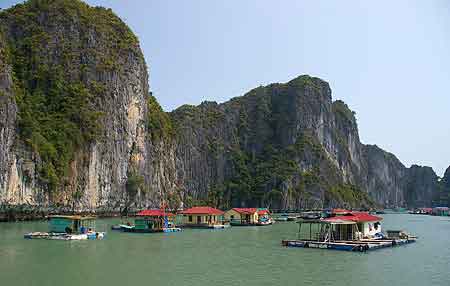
x,y
245,210
356,217
203,210
154,213
251,211
340,211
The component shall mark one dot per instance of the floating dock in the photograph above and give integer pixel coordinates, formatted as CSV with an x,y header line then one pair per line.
x,y
360,245
347,230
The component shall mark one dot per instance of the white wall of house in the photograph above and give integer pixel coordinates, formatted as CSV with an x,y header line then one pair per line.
x,y
368,228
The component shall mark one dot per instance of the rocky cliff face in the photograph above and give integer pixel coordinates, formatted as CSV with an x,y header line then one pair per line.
x,y
421,186
74,90
8,116
80,130
285,145
290,146
446,179
442,196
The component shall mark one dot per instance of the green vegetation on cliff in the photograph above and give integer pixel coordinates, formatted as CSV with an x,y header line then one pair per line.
x,y
268,148
442,195
349,196
51,67
159,124
342,110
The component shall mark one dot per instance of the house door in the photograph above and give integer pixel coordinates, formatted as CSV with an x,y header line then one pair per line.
x,y
199,219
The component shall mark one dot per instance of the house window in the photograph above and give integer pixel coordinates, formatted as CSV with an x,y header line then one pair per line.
x,y
190,218
231,216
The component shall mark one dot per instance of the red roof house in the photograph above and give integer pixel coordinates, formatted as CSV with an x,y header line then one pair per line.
x,y
245,210
202,210
154,213
245,216
355,217
340,211
205,217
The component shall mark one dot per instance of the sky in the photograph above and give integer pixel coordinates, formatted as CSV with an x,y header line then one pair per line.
x,y
388,60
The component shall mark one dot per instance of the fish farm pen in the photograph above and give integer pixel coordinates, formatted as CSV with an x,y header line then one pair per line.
x,y
341,234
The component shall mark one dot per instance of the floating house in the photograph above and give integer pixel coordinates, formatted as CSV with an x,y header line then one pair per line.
x,y
248,216
440,211
69,227
148,221
203,217
345,230
367,225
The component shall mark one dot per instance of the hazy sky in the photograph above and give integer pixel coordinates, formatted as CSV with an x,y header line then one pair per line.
x,y
388,60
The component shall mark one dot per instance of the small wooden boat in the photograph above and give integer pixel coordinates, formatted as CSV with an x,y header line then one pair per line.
x,y
310,215
265,221
62,227
116,227
122,227
284,217
171,229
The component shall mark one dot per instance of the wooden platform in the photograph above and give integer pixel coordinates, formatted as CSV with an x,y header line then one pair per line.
x,y
360,245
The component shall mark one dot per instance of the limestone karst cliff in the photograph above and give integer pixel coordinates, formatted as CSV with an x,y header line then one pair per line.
x,y
441,197
74,87
80,130
290,146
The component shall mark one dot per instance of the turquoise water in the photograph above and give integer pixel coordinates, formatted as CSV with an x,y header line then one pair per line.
x,y
235,256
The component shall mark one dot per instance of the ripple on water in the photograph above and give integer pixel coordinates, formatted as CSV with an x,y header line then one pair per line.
x,y
235,256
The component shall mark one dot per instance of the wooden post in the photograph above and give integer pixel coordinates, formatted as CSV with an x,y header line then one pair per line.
x,y
329,233
310,237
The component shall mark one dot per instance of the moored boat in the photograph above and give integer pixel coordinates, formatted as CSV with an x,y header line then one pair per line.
x,y
122,227
284,217
280,218
69,227
264,217
310,215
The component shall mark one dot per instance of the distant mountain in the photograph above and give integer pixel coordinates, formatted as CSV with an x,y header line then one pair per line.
x,y
442,196
79,129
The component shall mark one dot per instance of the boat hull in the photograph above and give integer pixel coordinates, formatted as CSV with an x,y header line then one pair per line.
x,y
360,246
65,236
265,223
159,230
242,224
206,226
171,229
